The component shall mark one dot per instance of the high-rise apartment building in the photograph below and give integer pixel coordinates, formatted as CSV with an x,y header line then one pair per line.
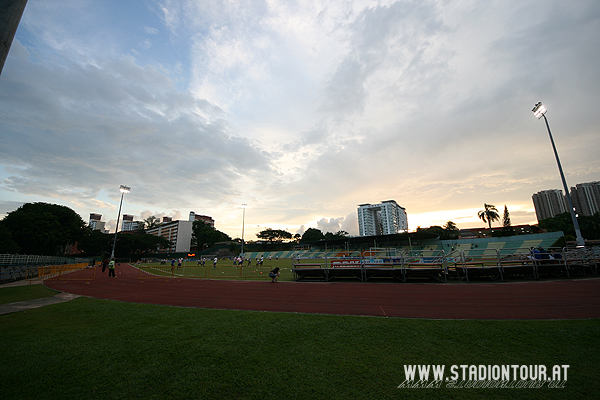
x,y
549,203
586,198
95,223
386,218
204,218
179,233
129,225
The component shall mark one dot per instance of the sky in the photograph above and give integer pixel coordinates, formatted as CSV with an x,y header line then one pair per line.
x,y
302,110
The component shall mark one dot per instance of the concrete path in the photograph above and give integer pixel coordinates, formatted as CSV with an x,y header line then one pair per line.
x,y
22,282
35,303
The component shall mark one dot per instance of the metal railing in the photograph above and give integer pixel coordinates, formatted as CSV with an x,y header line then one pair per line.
x,y
489,263
15,267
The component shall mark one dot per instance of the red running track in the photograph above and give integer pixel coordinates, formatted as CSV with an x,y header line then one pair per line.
x,y
564,299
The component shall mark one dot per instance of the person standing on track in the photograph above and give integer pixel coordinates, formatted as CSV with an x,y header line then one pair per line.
x,y
111,268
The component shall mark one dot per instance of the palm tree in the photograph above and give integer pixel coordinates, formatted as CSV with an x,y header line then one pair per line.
x,y
489,214
451,230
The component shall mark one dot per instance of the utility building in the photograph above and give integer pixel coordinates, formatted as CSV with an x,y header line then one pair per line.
x,y
386,218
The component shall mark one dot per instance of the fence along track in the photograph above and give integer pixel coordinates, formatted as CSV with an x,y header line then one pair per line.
x,y
63,272
14,267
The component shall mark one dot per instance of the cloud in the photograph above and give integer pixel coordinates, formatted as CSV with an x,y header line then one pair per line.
x,y
117,122
303,110
151,30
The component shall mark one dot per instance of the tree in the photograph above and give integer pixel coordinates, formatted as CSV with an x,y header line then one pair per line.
x,y
560,222
312,235
96,243
43,228
507,229
337,235
7,244
489,214
133,244
506,218
274,235
451,231
435,230
206,234
589,225
151,222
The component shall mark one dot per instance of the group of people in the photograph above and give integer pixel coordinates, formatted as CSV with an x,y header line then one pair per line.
x,y
111,267
541,254
273,274
240,261
179,263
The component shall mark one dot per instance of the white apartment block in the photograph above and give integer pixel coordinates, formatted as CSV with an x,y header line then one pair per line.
x,y
549,203
204,218
129,225
95,223
179,233
386,218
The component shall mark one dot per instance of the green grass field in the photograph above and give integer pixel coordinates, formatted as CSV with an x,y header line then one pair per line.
x,y
224,270
104,349
23,293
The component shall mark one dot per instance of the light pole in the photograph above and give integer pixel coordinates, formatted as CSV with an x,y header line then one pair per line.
x,y
123,189
540,111
243,224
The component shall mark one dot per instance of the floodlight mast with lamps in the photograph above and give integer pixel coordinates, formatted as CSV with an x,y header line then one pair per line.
x,y
243,224
123,189
540,111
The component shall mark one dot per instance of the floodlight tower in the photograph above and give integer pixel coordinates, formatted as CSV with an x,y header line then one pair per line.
x,y
11,12
540,111
243,224
123,189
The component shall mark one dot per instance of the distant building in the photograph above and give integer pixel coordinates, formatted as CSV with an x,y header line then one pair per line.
x,y
549,203
386,218
95,223
179,233
205,218
586,198
129,225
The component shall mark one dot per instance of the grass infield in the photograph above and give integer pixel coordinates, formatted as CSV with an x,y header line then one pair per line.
x,y
104,349
23,293
224,270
